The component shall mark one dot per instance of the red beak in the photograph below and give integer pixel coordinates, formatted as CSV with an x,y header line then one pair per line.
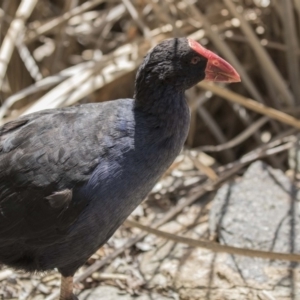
x,y
217,69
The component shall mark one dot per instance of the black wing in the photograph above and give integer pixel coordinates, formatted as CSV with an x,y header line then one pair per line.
x,y
44,160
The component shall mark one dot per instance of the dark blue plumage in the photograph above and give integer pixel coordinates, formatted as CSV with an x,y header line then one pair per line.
x,y
69,177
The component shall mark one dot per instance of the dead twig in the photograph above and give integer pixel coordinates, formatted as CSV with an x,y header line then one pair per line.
x,y
42,85
28,60
248,132
215,247
261,54
251,104
47,27
291,38
135,16
209,172
16,27
80,85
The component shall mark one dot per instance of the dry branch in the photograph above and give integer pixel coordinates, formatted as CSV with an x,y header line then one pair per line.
x,y
45,28
215,247
251,104
261,54
16,27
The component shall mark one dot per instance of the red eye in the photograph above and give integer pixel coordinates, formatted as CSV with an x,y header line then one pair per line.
x,y
195,60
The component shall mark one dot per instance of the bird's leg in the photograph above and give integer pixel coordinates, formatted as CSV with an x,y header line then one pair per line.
x,y
66,289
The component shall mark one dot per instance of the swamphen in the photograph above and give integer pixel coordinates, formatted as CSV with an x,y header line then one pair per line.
x,y
69,177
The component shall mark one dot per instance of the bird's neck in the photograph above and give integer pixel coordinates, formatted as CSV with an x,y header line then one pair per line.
x,y
165,105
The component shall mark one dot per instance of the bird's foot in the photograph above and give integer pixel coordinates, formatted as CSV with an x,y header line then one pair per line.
x,y
69,297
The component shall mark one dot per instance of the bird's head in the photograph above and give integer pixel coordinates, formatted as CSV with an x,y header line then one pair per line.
x,y
182,63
